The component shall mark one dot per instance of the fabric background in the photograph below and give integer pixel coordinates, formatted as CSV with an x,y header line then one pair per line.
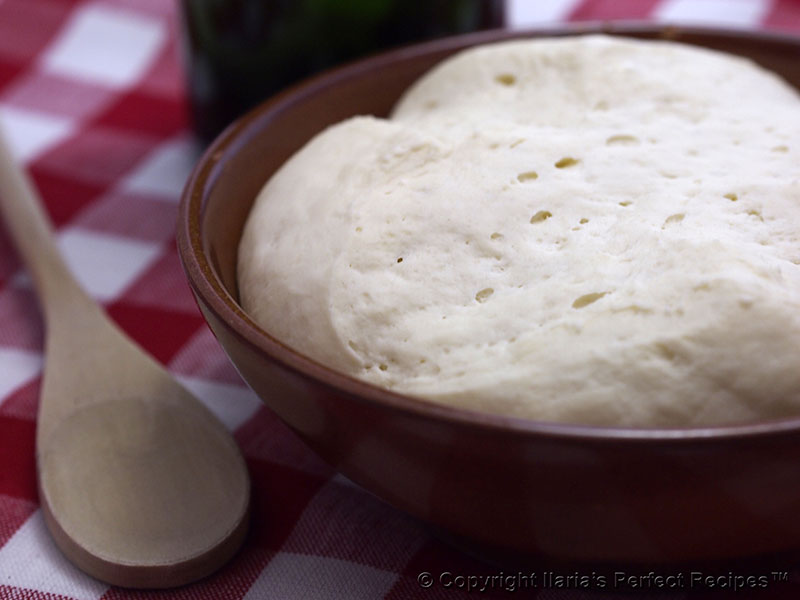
x,y
92,98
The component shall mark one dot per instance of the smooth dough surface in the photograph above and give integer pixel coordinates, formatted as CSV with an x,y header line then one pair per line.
x,y
588,230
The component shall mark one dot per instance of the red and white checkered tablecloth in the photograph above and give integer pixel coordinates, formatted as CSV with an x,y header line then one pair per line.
x,y
93,101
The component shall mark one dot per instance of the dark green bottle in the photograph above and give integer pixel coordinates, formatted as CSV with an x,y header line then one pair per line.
x,y
239,52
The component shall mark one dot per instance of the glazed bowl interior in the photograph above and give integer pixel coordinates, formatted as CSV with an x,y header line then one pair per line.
x,y
510,486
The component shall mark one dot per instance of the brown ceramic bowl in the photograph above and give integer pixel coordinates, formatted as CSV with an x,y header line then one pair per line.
x,y
509,486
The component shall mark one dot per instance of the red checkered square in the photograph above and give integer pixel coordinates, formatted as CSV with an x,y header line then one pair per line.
x,y
20,319
9,260
57,95
18,475
165,77
783,15
345,522
280,495
163,332
8,592
8,71
608,10
163,285
27,27
202,357
63,196
266,437
13,513
128,214
98,155
23,403
159,115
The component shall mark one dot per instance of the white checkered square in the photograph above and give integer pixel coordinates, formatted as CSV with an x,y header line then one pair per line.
x,y
105,45
348,523
202,357
17,368
318,578
340,479
165,171
31,133
232,404
105,265
57,96
151,7
30,560
524,13
730,13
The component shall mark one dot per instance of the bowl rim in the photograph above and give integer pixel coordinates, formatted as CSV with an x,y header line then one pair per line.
x,y
210,291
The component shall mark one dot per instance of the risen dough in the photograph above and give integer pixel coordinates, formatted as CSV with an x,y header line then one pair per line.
x,y
589,230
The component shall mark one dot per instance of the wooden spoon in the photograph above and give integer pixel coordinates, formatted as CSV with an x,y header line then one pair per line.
x,y
140,485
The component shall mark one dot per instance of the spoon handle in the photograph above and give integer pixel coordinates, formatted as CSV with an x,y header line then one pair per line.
x,y
27,222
